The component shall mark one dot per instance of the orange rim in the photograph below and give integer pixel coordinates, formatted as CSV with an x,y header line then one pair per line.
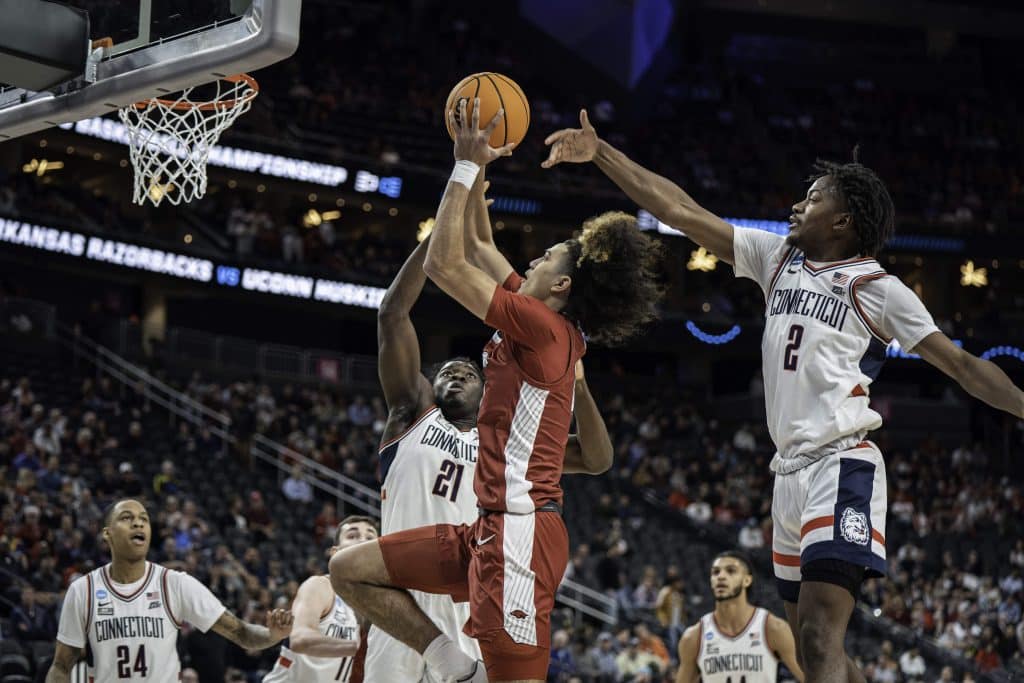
x,y
209,106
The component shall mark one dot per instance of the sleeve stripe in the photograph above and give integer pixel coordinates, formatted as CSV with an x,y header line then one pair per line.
x,y
872,328
167,599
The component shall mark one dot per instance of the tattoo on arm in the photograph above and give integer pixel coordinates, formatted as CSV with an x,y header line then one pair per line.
x,y
243,634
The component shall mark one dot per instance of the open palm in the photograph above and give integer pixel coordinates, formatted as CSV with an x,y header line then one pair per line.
x,y
572,145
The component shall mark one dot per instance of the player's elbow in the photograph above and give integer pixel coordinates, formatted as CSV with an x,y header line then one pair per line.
x,y
299,641
443,275
599,460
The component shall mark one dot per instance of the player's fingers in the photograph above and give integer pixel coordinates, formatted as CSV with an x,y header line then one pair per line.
x,y
489,202
495,120
476,113
487,185
585,121
506,151
553,157
556,136
462,113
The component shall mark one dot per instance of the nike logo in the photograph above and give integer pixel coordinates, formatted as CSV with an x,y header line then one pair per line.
x,y
482,541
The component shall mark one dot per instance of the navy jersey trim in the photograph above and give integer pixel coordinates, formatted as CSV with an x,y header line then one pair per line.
x,y
861,315
131,596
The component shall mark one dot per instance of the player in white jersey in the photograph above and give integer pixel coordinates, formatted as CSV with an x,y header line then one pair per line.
x,y
831,309
124,617
737,642
324,644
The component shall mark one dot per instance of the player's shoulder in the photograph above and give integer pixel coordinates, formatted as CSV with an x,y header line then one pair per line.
x,y
692,635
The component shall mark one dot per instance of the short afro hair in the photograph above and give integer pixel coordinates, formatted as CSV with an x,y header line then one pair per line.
x,y
615,288
867,199
431,371
745,560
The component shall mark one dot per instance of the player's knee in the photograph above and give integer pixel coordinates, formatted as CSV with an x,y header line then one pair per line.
x,y
344,571
815,641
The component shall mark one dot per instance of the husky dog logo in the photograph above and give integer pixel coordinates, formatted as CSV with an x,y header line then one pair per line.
x,y
853,526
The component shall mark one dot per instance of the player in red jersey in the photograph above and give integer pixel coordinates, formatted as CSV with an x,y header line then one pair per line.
x,y
509,563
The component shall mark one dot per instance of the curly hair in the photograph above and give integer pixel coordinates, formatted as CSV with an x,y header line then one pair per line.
x,y
615,287
866,198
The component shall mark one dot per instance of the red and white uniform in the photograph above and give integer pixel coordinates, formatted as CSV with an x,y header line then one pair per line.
x,y
508,564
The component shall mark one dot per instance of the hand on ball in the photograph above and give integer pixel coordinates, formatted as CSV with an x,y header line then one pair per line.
x,y
471,142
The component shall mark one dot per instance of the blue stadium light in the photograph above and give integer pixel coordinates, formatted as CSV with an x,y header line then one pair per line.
x,y
1011,351
715,339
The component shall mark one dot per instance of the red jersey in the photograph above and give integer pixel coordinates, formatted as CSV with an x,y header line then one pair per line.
x,y
529,382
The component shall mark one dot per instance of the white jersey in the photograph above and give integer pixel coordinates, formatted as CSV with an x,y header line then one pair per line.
x,y
130,631
426,478
341,623
743,658
427,475
827,327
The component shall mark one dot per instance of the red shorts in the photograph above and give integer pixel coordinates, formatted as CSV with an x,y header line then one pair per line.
x,y
507,566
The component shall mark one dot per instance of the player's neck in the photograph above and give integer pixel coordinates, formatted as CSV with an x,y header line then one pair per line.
x,y
127,571
830,253
463,424
732,616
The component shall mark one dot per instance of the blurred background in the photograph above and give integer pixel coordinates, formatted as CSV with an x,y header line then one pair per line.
x,y
235,388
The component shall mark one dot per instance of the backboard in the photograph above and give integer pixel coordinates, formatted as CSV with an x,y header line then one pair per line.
x,y
158,47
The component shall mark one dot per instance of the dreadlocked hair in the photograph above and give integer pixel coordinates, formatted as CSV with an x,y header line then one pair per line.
x,y
866,198
615,288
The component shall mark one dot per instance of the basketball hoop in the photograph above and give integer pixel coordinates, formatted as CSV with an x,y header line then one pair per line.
x,y
170,140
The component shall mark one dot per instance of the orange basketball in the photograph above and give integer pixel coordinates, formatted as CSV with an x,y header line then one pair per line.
x,y
495,92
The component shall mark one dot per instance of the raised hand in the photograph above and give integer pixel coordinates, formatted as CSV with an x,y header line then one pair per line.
x,y
472,143
572,145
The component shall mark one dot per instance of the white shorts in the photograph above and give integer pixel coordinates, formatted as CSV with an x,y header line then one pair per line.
x,y
833,509
389,661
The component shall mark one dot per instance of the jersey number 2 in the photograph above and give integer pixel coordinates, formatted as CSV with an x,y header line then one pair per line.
x,y
444,486
796,335
124,662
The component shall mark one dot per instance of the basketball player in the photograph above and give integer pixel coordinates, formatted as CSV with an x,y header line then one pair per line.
x,y
831,312
509,562
737,642
323,646
124,617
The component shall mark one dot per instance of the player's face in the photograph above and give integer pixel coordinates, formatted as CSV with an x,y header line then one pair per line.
x,y
354,534
547,274
729,577
817,217
128,532
458,388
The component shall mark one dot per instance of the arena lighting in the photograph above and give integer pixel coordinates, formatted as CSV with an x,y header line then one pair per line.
x,y
257,162
970,276
701,259
187,267
426,226
715,339
41,166
920,242
1011,351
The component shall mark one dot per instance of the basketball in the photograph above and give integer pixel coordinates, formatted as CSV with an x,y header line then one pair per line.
x,y
495,92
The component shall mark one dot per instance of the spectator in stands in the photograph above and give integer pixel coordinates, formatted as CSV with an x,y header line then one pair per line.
x,y
325,523
51,479
598,664
635,665
561,665
645,595
652,644
30,620
912,664
296,488
129,484
164,481
258,518
670,608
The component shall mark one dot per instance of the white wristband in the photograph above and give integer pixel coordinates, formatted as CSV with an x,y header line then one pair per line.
x,y
465,173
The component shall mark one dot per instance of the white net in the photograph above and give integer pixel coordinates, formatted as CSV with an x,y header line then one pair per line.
x,y
170,140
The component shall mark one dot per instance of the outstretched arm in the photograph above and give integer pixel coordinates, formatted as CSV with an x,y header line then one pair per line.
x,y
590,450
252,636
657,194
446,262
481,251
313,599
398,348
981,379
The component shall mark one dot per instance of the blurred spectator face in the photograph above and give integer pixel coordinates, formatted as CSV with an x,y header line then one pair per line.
x,y
128,531
729,578
189,676
28,597
560,640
